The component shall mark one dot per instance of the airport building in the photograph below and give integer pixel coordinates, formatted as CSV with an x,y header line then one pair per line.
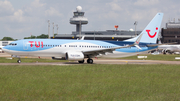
x,y
115,35
79,19
4,43
171,33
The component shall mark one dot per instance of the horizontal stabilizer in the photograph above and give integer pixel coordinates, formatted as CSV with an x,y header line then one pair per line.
x,y
153,45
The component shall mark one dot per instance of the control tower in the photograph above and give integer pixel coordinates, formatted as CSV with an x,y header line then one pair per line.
x,y
78,19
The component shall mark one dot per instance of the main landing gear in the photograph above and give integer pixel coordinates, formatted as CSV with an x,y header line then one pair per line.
x,y
90,61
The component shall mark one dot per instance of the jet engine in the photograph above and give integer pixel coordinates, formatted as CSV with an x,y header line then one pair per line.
x,y
74,56
166,51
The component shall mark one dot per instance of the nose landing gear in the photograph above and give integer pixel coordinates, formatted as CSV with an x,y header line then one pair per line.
x,y
19,61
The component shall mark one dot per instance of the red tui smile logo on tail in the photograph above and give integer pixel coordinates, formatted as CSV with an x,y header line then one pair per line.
x,y
151,36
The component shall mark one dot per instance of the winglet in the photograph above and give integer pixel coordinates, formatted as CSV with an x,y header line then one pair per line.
x,y
138,40
82,38
136,43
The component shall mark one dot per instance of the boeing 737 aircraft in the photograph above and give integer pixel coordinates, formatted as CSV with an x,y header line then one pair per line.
x,y
80,49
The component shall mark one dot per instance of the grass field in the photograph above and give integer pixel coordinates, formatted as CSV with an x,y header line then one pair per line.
x,y
149,57
90,83
155,57
28,60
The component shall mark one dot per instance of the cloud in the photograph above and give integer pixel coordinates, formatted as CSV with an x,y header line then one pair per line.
x,y
8,13
18,16
6,8
52,12
21,18
37,4
114,6
146,2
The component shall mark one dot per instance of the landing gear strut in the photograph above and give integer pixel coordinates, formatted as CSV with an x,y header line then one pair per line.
x,y
90,61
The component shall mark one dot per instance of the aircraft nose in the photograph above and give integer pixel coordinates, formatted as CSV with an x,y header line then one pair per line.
x,y
4,48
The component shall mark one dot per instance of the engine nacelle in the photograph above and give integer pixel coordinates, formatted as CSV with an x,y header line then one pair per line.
x,y
166,51
74,56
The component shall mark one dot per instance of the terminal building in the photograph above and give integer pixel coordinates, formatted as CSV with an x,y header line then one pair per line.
x,y
171,33
79,19
4,43
115,35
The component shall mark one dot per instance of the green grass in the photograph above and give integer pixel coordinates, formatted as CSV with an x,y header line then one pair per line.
x,y
154,57
149,57
28,60
90,83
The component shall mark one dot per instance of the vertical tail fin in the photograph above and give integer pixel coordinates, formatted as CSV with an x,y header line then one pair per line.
x,y
150,33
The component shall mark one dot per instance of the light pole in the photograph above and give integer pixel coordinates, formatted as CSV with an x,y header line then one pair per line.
x,y
57,28
48,29
135,24
80,30
53,30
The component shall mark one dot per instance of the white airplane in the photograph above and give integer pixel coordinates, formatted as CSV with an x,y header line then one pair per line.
x,y
169,49
80,49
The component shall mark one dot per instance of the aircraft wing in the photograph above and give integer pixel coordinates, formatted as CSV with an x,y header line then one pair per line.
x,y
103,51
110,50
153,45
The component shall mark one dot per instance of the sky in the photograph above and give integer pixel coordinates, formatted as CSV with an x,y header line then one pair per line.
x,y
23,18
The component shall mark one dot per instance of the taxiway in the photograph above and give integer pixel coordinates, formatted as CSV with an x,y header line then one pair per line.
x,y
96,61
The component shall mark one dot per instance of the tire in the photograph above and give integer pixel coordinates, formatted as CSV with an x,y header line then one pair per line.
x,y
90,61
18,61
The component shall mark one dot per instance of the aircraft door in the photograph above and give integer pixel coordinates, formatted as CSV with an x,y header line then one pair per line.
x,y
25,45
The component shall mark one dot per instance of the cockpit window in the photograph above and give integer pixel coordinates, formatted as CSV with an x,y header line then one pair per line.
x,y
13,44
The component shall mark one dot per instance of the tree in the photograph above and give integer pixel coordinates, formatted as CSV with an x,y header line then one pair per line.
x,y
32,37
42,36
7,39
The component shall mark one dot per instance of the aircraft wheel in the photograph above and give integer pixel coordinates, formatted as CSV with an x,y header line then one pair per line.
x,y
90,61
18,61
81,61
